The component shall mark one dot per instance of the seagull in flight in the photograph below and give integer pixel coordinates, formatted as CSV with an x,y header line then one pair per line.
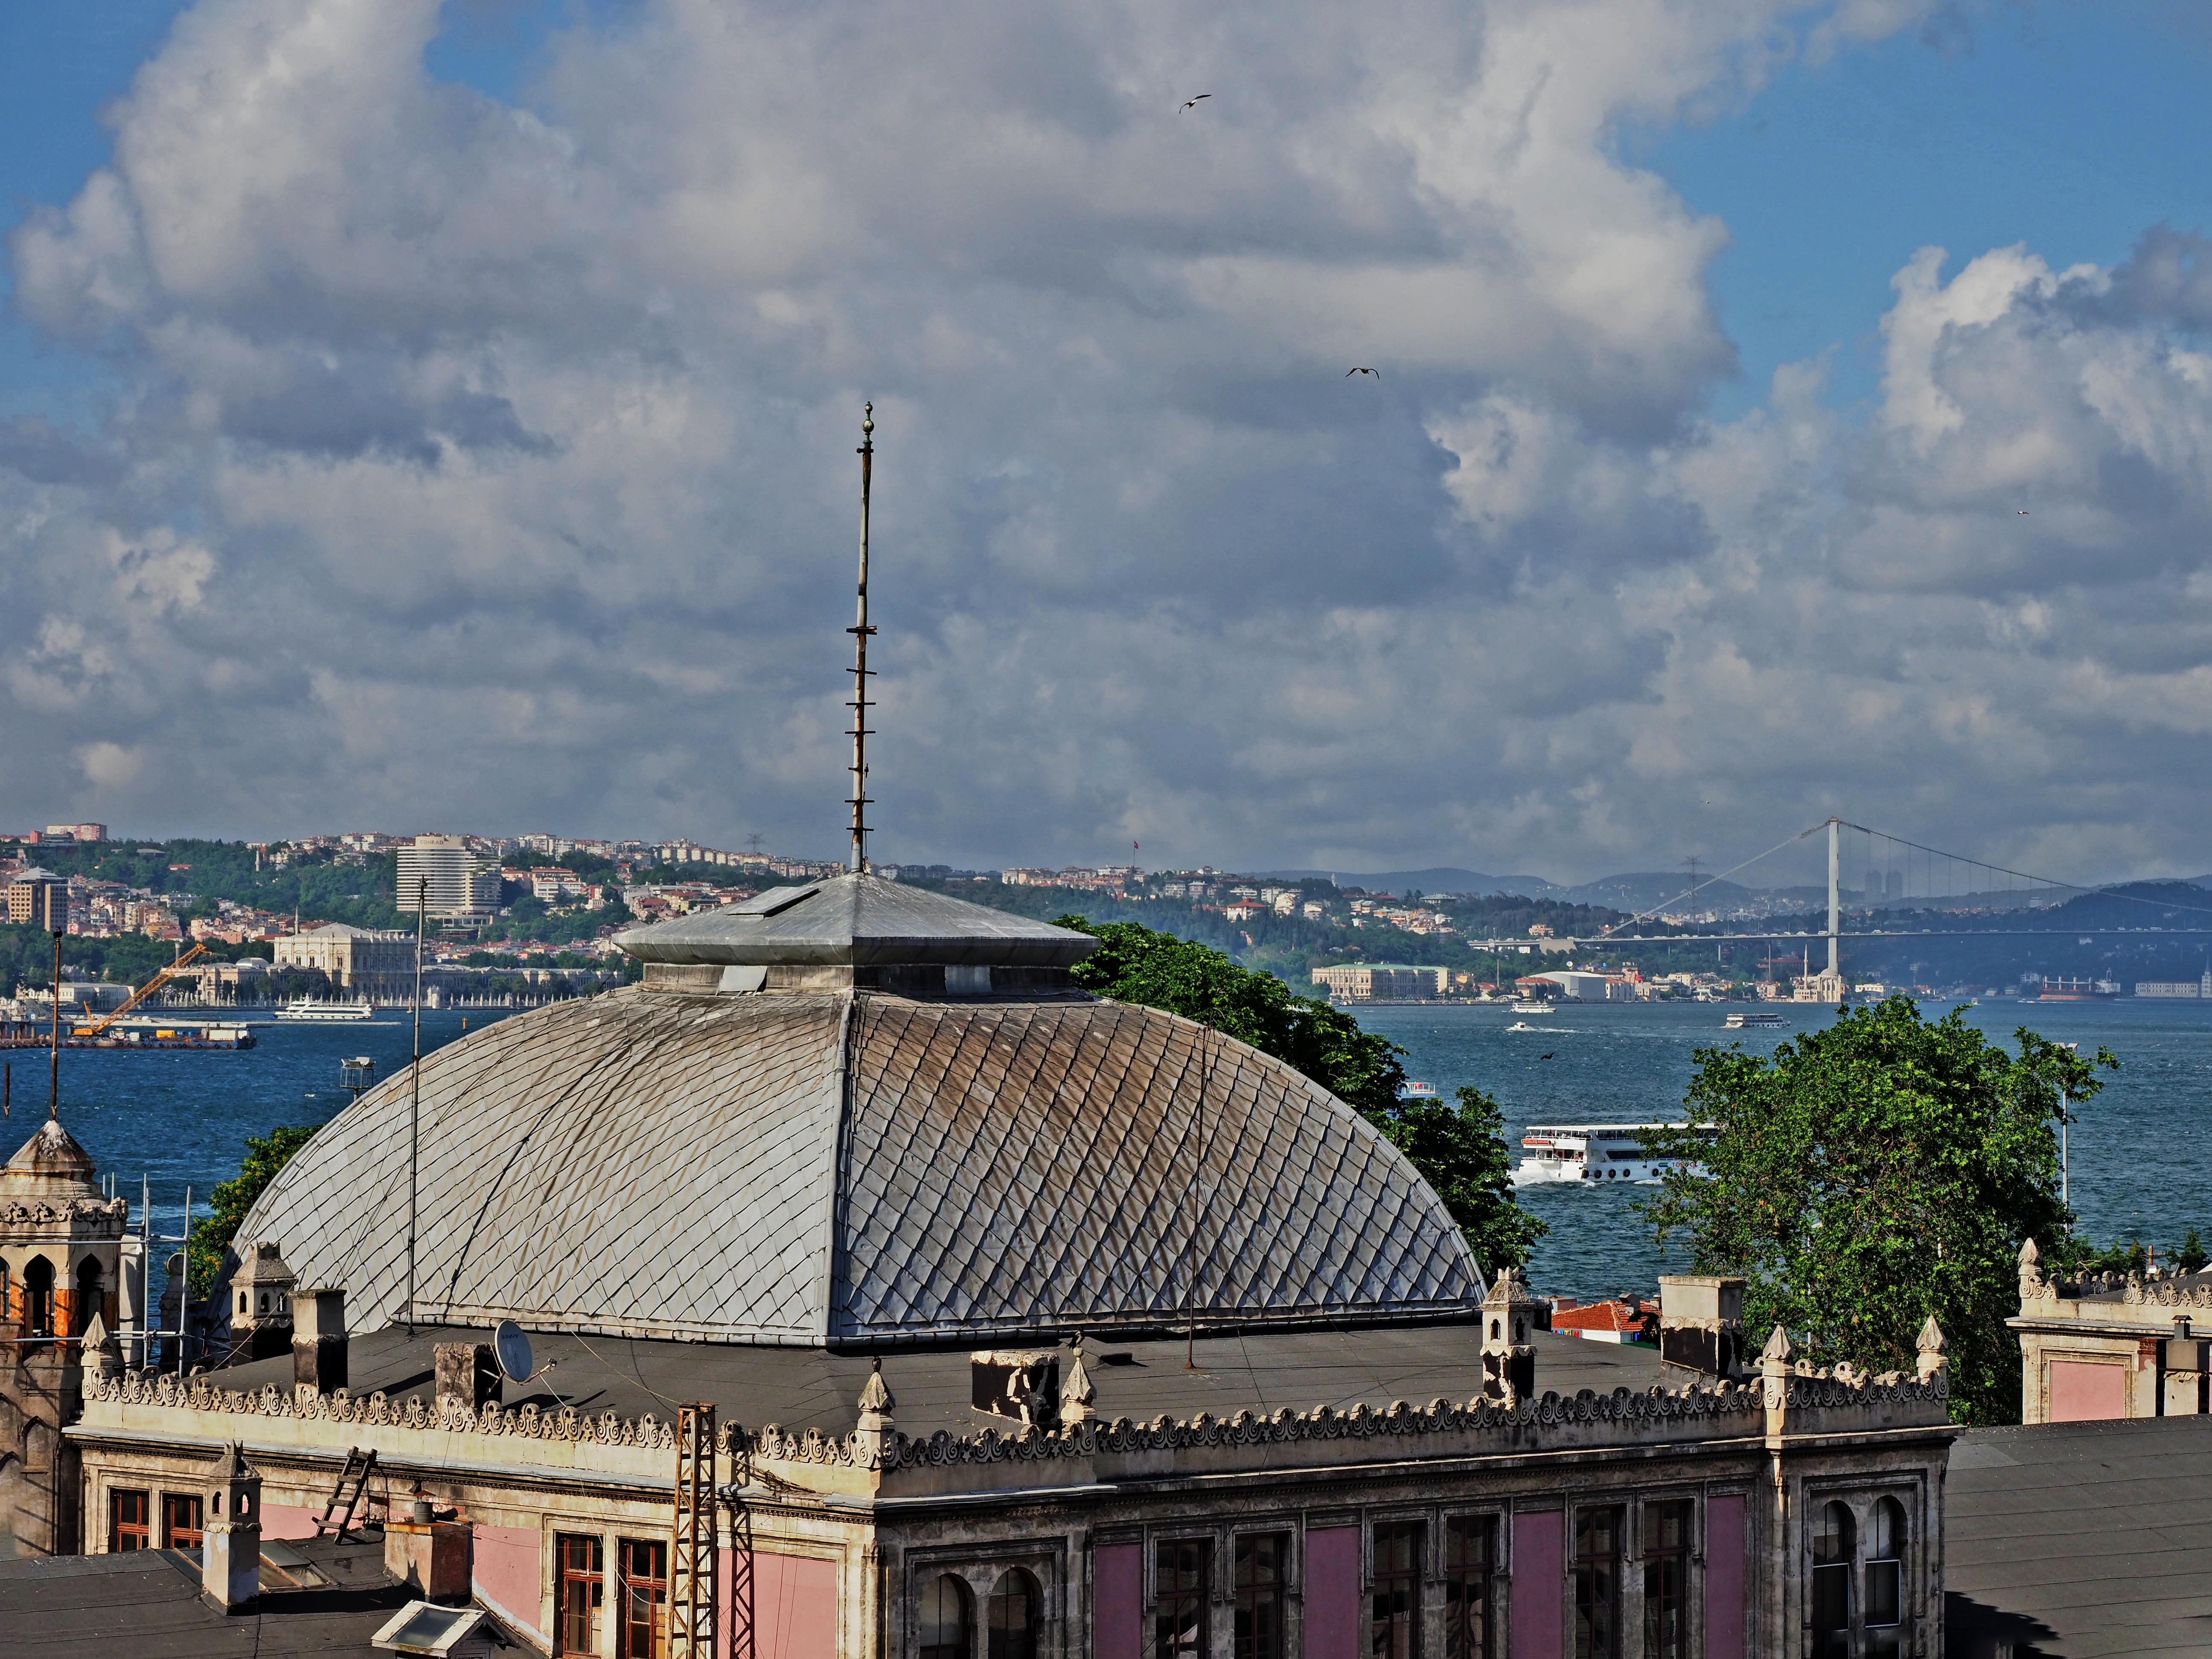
x,y
1349,372
2023,512
1193,103
1543,1057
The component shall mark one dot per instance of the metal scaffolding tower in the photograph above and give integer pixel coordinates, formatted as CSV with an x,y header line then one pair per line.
x,y
691,1578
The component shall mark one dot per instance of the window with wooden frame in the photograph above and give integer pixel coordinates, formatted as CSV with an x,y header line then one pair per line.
x,y
1262,1569
1833,1537
1470,1555
38,1297
181,1521
945,1625
1884,1606
127,1525
1393,1622
1180,1568
1596,1573
1016,1610
1667,1579
644,1599
580,1591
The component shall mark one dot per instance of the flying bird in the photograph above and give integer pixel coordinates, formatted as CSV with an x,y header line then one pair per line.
x,y
1543,1057
1349,372
2023,512
1193,104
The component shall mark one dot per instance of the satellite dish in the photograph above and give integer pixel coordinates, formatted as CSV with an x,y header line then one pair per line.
x,y
513,1349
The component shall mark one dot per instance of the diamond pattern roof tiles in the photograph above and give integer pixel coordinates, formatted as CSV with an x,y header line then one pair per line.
x,y
854,1169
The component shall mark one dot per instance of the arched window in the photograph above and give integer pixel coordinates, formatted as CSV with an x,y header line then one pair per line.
x,y
1884,1614
1016,1605
1833,1539
38,1297
88,1298
942,1619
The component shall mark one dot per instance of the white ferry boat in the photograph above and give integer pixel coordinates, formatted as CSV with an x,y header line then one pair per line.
x,y
1745,1022
1531,1005
1592,1151
308,1008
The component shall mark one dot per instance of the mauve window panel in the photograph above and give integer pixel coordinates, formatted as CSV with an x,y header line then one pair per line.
x,y
1724,1552
1117,1592
1333,1608
2089,1393
1540,1566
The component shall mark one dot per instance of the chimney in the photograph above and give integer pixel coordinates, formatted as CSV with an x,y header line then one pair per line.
x,y
1701,1323
433,1555
1509,1347
467,1375
318,1339
230,1536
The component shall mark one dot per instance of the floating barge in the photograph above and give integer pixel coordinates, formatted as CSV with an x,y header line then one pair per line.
x,y
135,1034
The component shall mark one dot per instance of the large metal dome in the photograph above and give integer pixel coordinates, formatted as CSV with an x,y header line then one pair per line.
x,y
854,1168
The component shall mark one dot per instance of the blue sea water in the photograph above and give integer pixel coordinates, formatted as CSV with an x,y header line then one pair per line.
x,y
2140,1158
179,1118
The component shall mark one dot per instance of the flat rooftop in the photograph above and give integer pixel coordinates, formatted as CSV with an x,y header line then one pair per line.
x,y
801,1388
2080,1539
149,1602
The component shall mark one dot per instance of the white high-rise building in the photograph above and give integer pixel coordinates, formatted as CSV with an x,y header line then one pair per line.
x,y
459,884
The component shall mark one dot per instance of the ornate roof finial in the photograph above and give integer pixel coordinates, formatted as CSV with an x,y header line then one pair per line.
x,y
1076,1394
1934,1356
1777,1351
876,1395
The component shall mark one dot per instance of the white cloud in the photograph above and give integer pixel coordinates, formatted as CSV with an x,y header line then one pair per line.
x,y
491,464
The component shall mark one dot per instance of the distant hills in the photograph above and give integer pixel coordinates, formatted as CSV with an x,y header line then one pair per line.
x,y
1426,881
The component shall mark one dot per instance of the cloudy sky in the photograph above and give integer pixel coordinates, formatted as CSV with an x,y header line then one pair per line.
x,y
441,416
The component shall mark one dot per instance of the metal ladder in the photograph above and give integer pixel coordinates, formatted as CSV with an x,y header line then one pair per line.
x,y
359,1465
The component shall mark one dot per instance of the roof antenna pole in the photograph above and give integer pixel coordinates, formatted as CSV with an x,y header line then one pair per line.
x,y
1198,1170
54,1089
415,1103
860,631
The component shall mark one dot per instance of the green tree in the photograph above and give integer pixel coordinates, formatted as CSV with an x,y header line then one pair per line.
x,y
2188,1255
227,1204
1460,1151
1874,1173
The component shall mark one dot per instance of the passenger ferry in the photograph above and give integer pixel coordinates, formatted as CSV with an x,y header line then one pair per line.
x,y
1592,1151
1531,1005
1745,1022
308,1008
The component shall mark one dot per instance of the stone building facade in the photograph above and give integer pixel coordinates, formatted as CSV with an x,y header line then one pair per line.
x,y
2111,1345
67,1270
1030,1325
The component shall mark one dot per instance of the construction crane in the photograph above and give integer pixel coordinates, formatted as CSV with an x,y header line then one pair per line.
x,y
142,992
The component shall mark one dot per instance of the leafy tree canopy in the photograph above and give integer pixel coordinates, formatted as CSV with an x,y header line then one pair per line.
x,y
227,1204
1874,1173
1460,1151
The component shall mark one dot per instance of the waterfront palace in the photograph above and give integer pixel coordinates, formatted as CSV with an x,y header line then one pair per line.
x,y
890,1298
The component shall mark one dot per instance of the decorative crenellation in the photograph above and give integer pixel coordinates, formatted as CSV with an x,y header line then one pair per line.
x,y
99,1217
1656,1408
2133,1289
524,1422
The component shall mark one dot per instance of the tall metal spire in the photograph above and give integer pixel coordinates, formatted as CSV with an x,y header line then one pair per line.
x,y
860,631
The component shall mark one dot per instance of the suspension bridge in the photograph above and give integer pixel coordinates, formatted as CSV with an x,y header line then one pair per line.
x,y
1897,872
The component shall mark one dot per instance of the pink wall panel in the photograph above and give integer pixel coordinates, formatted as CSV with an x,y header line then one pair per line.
x,y
1724,1557
778,1607
2082,1393
1540,1566
506,1574
1117,1596
283,1520
1332,1603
